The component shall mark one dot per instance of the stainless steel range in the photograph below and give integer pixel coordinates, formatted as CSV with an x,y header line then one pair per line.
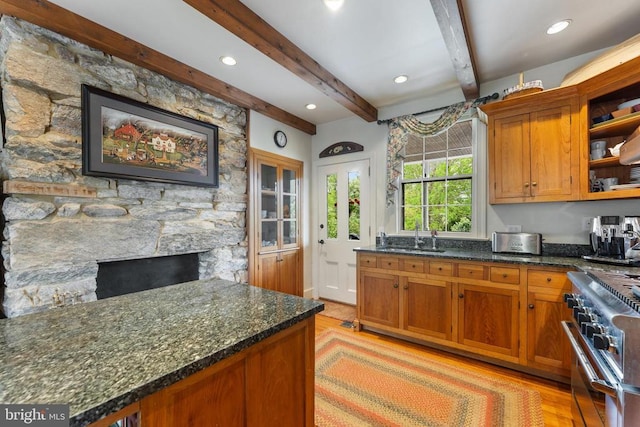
x,y
605,338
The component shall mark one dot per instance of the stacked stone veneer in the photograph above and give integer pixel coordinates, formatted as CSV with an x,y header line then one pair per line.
x,y
54,243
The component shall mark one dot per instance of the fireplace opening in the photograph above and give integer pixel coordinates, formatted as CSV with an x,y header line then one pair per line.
x,y
135,275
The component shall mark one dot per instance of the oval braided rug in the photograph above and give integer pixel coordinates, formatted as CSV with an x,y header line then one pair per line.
x,y
365,383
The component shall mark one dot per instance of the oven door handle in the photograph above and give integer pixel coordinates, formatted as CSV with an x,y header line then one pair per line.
x,y
595,382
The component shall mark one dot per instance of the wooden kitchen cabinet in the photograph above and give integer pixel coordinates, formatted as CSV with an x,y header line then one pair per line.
x,y
505,312
601,95
378,298
270,383
275,250
426,307
534,148
488,319
548,347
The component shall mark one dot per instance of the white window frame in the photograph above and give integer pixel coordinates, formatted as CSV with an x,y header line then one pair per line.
x,y
478,189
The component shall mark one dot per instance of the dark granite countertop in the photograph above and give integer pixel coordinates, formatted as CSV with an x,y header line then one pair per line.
x,y
488,256
101,356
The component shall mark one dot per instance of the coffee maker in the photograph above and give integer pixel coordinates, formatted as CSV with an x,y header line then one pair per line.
x,y
612,237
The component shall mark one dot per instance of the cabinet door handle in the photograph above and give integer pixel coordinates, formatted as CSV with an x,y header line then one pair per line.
x,y
395,286
533,184
460,295
321,241
548,279
504,276
526,185
531,306
405,287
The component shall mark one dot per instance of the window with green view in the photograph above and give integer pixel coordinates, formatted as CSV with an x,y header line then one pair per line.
x,y
437,173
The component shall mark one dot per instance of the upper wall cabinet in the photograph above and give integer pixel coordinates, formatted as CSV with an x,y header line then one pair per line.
x,y
602,119
534,151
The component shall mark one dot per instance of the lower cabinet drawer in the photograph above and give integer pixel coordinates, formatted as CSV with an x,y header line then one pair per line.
x,y
441,268
368,261
472,271
548,279
505,275
389,263
413,265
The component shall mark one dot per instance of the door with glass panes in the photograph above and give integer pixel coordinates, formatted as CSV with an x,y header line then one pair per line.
x,y
344,224
277,241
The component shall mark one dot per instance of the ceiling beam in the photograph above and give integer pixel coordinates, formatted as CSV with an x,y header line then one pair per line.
x,y
450,16
248,26
69,24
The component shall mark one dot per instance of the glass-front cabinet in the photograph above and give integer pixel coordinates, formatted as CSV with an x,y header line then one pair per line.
x,y
278,207
274,237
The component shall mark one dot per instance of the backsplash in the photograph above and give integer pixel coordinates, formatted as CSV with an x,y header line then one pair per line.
x,y
58,224
548,249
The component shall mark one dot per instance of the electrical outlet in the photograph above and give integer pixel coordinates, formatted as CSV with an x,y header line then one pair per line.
x,y
514,228
586,223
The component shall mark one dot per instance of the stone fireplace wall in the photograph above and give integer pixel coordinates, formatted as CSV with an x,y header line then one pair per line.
x,y
58,224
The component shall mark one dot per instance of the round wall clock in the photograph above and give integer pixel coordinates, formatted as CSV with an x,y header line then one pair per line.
x,y
280,138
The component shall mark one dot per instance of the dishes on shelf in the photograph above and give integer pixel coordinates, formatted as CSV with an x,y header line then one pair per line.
x,y
625,186
628,104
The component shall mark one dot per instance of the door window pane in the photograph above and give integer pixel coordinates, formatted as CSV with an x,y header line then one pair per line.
x,y
332,206
354,205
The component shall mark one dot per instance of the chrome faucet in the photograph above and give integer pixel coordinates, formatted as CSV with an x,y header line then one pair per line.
x,y
383,239
434,239
417,238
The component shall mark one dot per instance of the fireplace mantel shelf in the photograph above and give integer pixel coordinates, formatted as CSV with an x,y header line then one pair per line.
x,y
103,355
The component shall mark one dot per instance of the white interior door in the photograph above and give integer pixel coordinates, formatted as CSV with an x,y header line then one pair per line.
x,y
344,224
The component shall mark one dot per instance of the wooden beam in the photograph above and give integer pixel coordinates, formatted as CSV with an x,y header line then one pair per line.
x,y
450,16
247,25
67,23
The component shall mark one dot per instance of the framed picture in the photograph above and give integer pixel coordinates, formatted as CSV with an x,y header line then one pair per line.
x,y
124,138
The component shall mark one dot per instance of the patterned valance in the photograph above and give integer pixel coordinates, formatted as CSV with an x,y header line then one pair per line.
x,y
401,127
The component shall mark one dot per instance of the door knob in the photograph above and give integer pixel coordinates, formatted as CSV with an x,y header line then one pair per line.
x,y
321,241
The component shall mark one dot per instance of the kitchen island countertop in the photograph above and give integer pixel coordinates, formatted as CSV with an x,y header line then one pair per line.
x,y
101,356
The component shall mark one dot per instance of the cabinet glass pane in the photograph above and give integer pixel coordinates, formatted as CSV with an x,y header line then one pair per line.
x,y
289,232
289,181
289,206
269,233
332,206
354,205
268,205
268,177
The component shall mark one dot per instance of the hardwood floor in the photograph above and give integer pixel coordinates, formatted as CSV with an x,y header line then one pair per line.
x,y
556,397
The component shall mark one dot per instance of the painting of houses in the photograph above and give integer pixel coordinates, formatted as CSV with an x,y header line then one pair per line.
x,y
139,141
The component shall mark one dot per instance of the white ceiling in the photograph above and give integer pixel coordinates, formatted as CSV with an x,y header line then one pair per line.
x,y
367,43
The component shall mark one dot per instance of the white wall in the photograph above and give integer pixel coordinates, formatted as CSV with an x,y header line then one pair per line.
x,y
558,222
261,130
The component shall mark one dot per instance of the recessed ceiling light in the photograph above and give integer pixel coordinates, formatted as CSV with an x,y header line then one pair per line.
x,y
558,26
310,106
401,79
228,60
333,4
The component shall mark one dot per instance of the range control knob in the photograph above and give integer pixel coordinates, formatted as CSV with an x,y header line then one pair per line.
x,y
601,341
591,328
571,300
605,342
